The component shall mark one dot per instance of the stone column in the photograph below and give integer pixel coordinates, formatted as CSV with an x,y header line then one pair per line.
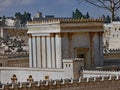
x,y
2,33
39,56
58,51
44,59
34,52
53,50
96,49
49,58
92,49
101,48
30,52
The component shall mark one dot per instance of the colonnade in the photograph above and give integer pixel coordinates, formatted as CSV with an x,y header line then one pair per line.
x,y
45,51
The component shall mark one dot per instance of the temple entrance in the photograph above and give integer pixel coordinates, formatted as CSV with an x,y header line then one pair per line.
x,y
82,53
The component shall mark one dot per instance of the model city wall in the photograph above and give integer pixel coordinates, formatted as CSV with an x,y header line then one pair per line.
x,y
95,83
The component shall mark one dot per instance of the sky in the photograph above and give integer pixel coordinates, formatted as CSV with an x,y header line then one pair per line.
x,y
58,8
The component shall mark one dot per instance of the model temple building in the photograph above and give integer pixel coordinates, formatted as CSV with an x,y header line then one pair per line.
x,y
54,41
60,49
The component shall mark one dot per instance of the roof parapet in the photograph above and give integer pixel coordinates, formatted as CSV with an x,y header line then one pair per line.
x,y
68,20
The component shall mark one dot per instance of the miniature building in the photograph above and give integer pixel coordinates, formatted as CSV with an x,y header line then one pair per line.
x,y
51,42
112,35
60,49
111,40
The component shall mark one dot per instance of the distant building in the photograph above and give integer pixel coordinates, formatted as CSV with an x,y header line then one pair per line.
x,y
10,22
112,35
39,17
14,47
111,43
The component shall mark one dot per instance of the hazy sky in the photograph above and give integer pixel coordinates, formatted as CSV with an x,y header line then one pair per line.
x,y
61,8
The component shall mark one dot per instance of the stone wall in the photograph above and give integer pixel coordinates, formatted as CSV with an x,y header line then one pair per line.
x,y
111,57
71,69
14,59
105,83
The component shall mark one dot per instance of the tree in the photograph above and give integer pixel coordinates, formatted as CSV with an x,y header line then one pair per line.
x,y
2,21
77,14
111,5
18,15
117,18
22,18
107,19
87,16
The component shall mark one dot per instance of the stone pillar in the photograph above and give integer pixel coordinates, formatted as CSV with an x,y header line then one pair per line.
x,y
34,52
53,50
39,56
92,49
49,58
44,59
101,48
58,51
30,51
96,49
2,33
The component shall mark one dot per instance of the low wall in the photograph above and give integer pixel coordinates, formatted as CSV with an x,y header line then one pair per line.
x,y
37,73
97,73
105,83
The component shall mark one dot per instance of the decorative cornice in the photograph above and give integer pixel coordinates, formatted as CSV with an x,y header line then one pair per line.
x,y
66,25
82,27
66,21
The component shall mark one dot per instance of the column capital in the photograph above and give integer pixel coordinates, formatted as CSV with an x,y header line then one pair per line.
x,y
29,35
52,34
59,34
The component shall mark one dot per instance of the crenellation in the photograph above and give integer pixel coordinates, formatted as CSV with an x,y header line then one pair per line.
x,y
87,79
20,85
65,21
2,87
117,77
98,79
83,84
91,79
11,86
67,81
113,77
94,79
62,81
71,81
105,78
29,85
54,82
110,77
58,82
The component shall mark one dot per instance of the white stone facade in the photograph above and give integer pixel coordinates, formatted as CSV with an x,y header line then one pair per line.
x,y
51,42
98,73
112,35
